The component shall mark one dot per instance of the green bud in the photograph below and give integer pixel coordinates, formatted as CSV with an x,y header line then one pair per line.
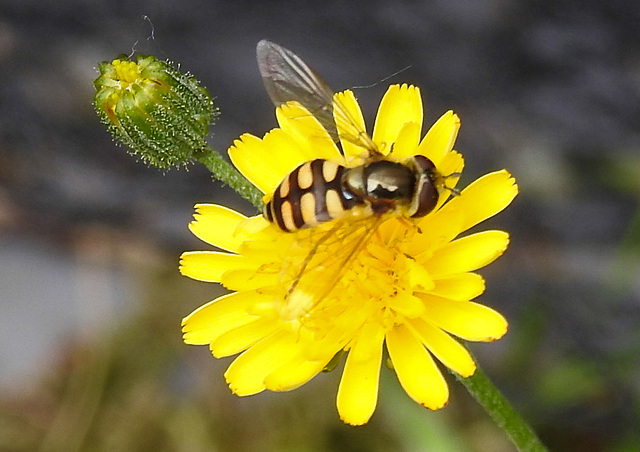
x,y
162,115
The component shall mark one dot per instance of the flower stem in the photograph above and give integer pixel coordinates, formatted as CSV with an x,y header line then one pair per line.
x,y
502,412
226,172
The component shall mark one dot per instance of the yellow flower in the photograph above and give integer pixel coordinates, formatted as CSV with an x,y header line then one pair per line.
x,y
355,284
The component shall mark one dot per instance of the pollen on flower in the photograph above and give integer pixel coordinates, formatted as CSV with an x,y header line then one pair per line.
x,y
364,281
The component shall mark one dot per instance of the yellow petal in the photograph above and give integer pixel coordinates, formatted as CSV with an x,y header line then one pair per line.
x,y
209,265
351,126
407,143
419,277
450,167
253,228
248,279
358,390
418,374
209,321
435,230
461,287
293,374
326,343
448,350
484,198
368,344
247,373
242,337
216,226
465,319
266,245
399,105
266,162
468,253
312,140
406,304
440,138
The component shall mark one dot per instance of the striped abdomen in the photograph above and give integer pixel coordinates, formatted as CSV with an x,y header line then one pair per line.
x,y
321,190
311,194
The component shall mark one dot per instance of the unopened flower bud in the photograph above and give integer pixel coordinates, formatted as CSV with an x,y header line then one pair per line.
x,y
161,114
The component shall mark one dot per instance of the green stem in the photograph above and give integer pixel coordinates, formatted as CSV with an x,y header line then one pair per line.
x,y
501,411
226,172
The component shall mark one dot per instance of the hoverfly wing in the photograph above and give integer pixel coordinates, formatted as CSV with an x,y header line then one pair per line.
x,y
320,273
287,78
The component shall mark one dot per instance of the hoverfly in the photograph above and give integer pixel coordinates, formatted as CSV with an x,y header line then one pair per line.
x,y
320,190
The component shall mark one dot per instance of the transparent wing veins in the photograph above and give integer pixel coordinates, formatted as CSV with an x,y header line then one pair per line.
x,y
330,270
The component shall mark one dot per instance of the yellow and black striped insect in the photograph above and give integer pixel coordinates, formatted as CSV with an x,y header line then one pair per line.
x,y
321,190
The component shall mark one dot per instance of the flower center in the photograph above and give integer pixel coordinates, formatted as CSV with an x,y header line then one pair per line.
x,y
127,72
355,270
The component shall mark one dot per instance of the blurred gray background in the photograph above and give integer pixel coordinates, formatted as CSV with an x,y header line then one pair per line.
x,y
91,356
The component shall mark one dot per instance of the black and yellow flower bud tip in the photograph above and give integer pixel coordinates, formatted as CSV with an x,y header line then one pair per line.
x,y
162,115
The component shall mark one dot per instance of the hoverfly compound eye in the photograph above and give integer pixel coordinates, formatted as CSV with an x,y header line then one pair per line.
x,y
426,194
